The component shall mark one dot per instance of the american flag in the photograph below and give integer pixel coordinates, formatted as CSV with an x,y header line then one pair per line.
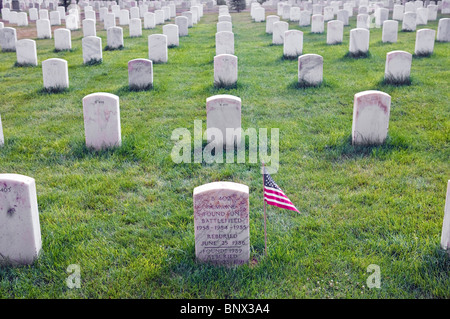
x,y
273,195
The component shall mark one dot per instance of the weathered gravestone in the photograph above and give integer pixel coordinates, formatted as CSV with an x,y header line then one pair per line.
x,y
443,33
409,21
114,38
140,74
149,20
135,28
157,48
390,31
363,21
182,23
310,70
359,42
89,28
305,18
63,39
445,237
398,67
44,30
397,14
270,20
101,114
221,221
225,70
224,26
171,31
371,111
335,32
92,50
55,19
26,52
20,230
223,112
424,42
224,42
279,28
293,44
8,39
55,74
124,17
317,23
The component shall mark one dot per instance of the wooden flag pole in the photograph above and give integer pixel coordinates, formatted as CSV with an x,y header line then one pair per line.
x,y
265,216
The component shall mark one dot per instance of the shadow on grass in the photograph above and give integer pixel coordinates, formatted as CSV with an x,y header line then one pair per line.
x,y
395,82
356,55
304,86
24,65
126,89
343,149
54,90
126,151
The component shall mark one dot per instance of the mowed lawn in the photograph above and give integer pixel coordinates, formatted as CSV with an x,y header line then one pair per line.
x,y
125,216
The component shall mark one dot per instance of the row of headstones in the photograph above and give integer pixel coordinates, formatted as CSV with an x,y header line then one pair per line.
x,y
292,40
221,222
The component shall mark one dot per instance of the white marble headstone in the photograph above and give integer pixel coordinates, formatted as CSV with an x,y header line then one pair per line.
x,y
223,112
409,21
310,69
359,41
317,23
335,32
89,28
371,111
279,28
398,66
269,23
26,52
55,74
44,30
114,38
224,42
171,31
390,31
182,23
92,49
8,39
140,74
101,114
305,18
443,32
157,48
224,26
20,230
293,43
221,221
445,236
225,70
135,28
424,41
63,39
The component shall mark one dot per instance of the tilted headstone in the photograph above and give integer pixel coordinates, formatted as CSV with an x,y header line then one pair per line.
x,y
335,32
171,31
445,236
390,31
421,16
398,67
157,48
140,74
443,33
63,39
225,70
101,114
424,42
92,49
409,21
305,18
279,28
55,74
371,111
359,41
293,44
182,23
310,69
224,42
20,230
114,38
26,52
221,221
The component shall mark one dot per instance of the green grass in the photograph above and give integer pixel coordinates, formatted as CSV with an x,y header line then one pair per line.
x,y
125,216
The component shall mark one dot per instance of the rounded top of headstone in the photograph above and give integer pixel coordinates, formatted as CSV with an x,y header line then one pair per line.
x,y
399,52
102,95
369,93
17,178
223,96
221,186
